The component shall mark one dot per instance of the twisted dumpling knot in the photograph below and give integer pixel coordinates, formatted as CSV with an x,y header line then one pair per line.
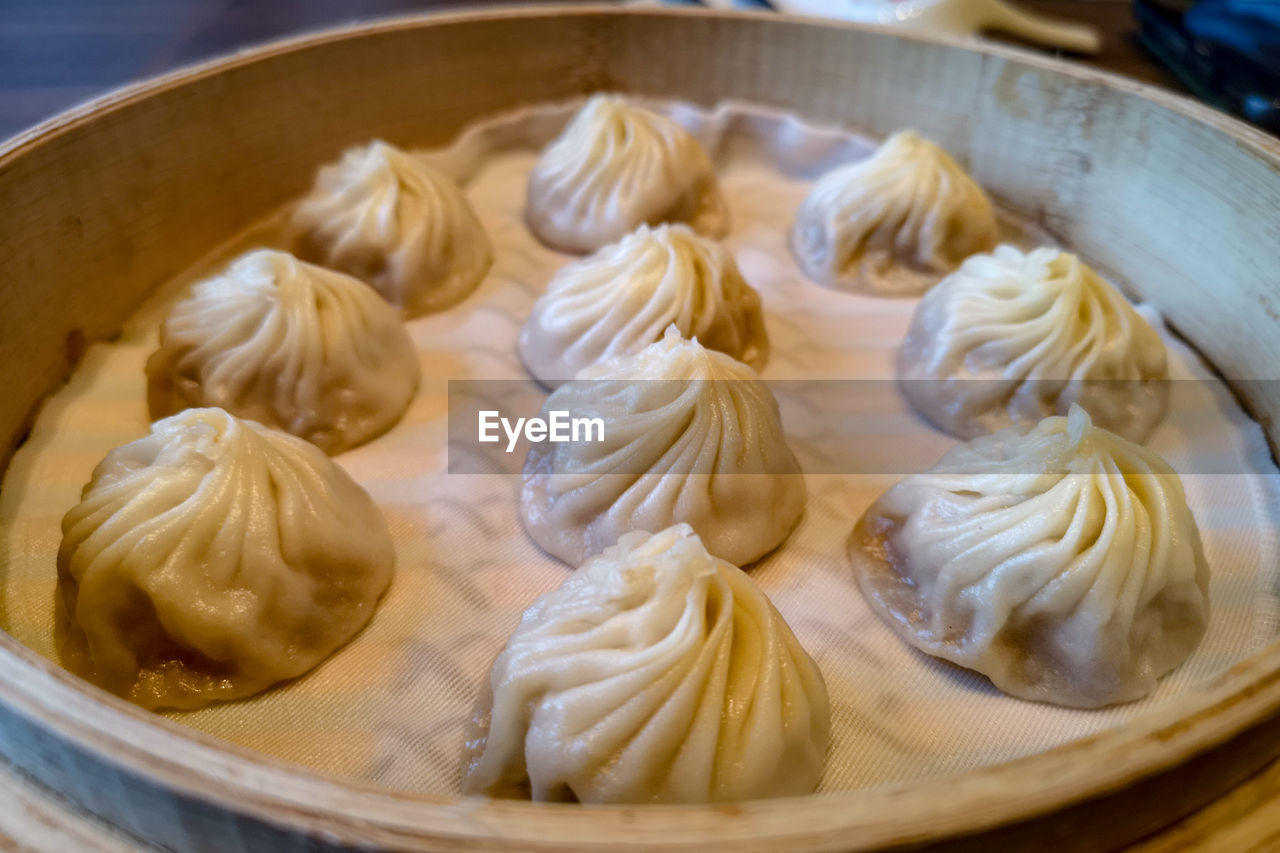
x,y
655,673
214,558
616,167
892,224
396,223
623,298
292,345
1062,562
690,435
1012,337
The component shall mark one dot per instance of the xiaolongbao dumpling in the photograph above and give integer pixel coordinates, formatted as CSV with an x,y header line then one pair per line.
x,y
893,224
656,673
294,346
622,298
1062,563
690,435
396,223
1011,338
617,167
214,558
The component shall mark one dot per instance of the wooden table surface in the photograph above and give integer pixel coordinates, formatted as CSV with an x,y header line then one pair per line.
x,y
55,53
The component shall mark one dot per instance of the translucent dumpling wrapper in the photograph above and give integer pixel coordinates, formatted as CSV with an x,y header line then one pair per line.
x,y
1063,563
614,168
1013,337
212,559
689,435
288,344
656,673
396,223
894,223
623,298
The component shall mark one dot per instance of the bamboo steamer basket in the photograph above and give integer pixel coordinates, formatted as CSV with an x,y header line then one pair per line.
x,y
98,206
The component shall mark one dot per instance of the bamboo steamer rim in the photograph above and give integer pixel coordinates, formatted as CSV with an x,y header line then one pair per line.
x,y
332,810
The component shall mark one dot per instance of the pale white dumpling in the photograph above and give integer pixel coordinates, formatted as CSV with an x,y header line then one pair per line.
x,y
289,344
622,298
214,558
893,224
616,167
690,435
1014,337
1062,563
396,223
656,673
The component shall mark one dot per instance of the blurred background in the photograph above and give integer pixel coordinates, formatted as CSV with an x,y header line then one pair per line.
x,y
56,53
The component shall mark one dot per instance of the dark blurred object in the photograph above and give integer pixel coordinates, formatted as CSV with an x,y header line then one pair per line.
x,y
55,53
1225,51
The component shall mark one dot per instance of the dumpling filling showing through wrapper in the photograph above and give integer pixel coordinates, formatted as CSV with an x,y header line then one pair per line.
x,y
656,673
1062,562
212,559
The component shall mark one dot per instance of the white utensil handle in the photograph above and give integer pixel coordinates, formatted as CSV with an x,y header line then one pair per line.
x,y
1080,38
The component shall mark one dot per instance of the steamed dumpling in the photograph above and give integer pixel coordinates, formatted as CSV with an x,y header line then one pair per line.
x,y
292,345
214,558
893,224
617,167
622,298
656,673
1010,338
392,221
690,435
1062,563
